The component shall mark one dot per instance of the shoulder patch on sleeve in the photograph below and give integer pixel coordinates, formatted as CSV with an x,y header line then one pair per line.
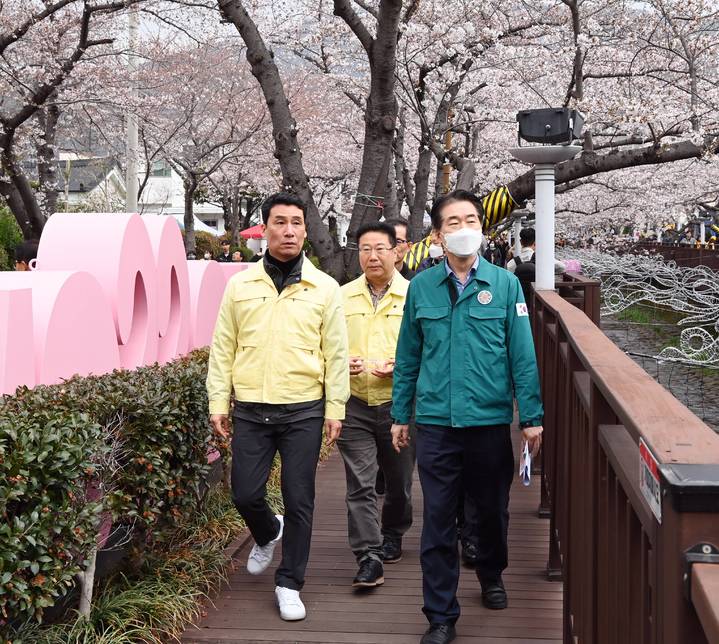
x,y
522,310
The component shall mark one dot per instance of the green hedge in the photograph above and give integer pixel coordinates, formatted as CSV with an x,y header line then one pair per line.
x,y
142,437
10,236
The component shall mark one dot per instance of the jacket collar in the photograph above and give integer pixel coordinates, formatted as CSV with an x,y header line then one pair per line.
x,y
398,286
309,273
483,273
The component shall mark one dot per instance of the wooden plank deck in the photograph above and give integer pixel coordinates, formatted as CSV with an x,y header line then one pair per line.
x,y
245,609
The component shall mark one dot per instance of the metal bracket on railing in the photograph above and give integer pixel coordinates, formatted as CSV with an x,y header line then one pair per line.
x,y
700,553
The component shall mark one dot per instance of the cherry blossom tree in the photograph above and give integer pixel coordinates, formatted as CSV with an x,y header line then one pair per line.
x,y
42,45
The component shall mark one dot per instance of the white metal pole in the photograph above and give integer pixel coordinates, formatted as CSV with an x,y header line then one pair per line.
x,y
131,172
544,227
517,230
703,232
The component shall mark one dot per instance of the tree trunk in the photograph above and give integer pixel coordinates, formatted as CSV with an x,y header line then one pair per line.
x,y
190,185
405,190
391,202
252,205
466,169
284,130
46,165
17,207
421,192
380,115
439,175
19,193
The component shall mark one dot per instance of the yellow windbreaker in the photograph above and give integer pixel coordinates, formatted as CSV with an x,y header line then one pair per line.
x,y
280,349
373,334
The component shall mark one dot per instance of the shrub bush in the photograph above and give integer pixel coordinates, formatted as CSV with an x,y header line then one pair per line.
x,y
10,236
142,437
47,458
205,242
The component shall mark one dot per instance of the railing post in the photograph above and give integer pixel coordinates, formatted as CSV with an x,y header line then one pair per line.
x,y
690,515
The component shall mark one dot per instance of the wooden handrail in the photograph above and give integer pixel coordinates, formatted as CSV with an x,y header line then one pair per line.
x,y
705,598
621,518
644,407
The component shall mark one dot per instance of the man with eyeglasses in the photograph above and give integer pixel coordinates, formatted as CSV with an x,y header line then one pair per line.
x,y
401,230
373,306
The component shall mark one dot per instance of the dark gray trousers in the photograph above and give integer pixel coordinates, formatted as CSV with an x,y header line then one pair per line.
x,y
366,446
254,446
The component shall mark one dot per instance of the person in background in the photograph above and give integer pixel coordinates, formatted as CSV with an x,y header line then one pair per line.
x,y
237,256
527,241
280,342
436,255
25,253
493,254
373,305
225,255
402,247
402,231
257,256
207,256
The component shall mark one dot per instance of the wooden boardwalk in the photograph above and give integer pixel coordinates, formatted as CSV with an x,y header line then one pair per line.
x,y
245,609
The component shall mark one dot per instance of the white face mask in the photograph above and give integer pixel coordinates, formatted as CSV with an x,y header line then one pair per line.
x,y
464,243
435,251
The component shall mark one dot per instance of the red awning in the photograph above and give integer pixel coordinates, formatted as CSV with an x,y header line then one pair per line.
x,y
254,232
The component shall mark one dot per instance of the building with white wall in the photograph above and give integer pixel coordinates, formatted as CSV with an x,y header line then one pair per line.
x,y
165,194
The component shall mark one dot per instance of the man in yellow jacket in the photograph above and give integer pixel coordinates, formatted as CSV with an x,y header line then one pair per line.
x,y
373,305
281,343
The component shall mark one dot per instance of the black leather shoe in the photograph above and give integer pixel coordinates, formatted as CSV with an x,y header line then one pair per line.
x,y
391,550
439,634
369,575
493,594
469,553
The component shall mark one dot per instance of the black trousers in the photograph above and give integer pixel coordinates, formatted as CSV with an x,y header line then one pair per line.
x,y
467,519
254,446
478,460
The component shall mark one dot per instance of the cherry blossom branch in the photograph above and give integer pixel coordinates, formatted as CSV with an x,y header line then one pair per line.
x,y
522,188
8,39
344,10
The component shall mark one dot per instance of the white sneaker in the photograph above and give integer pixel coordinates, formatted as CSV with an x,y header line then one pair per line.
x,y
261,556
291,606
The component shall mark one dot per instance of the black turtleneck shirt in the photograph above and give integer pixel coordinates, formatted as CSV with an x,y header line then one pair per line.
x,y
283,273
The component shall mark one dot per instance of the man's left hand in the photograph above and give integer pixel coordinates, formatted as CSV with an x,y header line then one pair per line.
x,y
385,370
333,429
533,436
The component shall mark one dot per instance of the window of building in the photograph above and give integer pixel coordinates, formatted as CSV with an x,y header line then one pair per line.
x,y
160,169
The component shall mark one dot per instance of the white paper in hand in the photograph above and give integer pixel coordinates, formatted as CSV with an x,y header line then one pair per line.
x,y
525,464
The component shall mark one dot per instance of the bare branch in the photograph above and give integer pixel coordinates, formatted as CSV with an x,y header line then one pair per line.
x,y
412,8
344,10
367,7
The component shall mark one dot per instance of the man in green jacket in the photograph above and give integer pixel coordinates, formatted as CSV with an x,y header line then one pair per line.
x,y
464,353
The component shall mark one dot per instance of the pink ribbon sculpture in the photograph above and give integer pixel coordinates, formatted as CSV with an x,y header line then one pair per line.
x,y
109,291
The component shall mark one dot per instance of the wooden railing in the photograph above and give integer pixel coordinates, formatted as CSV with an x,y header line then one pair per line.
x,y
684,255
582,292
627,576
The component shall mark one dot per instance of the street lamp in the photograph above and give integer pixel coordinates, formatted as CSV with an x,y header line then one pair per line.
x,y
554,129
